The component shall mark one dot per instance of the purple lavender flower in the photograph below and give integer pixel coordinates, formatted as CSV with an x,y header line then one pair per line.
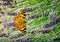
x,y
25,40
5,25
9,24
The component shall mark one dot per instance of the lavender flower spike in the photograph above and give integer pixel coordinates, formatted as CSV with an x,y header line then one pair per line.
x,y
9,24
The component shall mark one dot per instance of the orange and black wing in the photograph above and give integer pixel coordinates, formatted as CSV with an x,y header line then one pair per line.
x,y
20,22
